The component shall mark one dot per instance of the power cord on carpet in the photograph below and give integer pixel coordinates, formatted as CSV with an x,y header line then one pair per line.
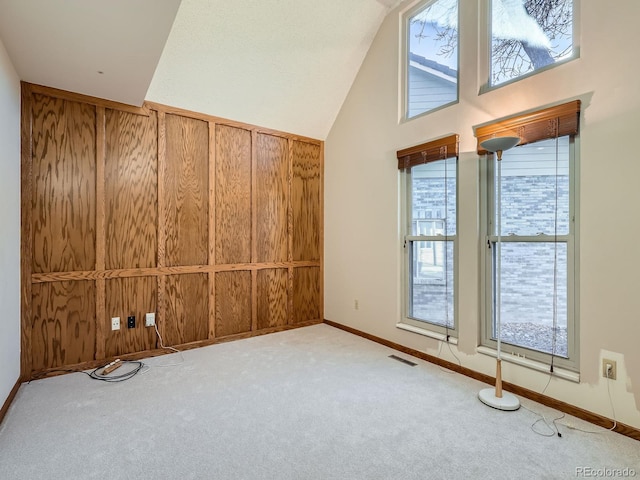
x,y
96,375
446,370
555,422
613,411
162,345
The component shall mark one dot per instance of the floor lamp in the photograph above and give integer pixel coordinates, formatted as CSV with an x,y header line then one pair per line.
x,y
496,398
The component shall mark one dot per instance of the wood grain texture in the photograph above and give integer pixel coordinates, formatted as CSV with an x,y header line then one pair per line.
x,y
226,122
186,309
212,229
161,316
186,191
233,195
78,97
155,173
101,142
124,297
306,294
305,200
271,198
64,185
212,193
321,234
26,236
146,272
273,298
131,190
233,303
63,326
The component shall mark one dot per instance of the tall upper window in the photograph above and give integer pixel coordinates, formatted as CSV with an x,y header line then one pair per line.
x,y
537,217
528,35
431,56
430,234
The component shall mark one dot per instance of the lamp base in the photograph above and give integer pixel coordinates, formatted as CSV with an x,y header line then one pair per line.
x,y
507,402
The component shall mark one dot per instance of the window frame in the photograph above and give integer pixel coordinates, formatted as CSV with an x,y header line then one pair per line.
x,y
532,126
487,205
445,149
485,40
405,29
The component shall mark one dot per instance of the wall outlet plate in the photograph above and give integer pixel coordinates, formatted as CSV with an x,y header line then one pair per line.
x,y
115,323
614,369
131,321
149,319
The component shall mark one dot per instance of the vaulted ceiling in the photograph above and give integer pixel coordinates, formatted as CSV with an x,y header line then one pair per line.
x,y
281,64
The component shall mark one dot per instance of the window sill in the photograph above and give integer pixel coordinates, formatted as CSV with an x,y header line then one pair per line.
x,y
533,364
426,333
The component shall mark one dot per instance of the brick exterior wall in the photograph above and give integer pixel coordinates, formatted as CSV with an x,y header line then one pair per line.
x,y
527,269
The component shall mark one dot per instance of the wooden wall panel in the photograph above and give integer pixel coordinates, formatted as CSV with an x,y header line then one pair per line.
x,y
186,309
273,298
63,326
64,184
306,194
131,190
215,225
233,303
124,297
233,195
272,187
186,191
306,294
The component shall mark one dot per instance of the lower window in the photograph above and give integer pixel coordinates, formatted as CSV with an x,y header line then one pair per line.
x,y
532,282
430,245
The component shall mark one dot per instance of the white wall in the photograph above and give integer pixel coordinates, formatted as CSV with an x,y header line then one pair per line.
x,y
9,225
362,236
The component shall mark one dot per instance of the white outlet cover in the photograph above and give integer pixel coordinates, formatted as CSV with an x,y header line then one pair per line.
x,y
150,319
115,323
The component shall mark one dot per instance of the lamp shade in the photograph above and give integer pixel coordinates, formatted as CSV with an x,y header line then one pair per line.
x,y
500,144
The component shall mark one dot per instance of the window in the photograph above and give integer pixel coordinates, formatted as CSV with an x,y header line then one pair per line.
x,y
429,179
538,244
529,35
431,57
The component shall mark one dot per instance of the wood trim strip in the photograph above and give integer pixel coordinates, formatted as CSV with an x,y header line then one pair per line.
x,y
552,122
254,230
161,271
78,97
161,169
101,314
26,234
321,233
439,149
290,319
564,407
159,107
51,372
7,403
212,229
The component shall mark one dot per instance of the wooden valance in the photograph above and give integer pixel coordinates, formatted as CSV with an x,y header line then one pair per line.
x,y
531,127
440,149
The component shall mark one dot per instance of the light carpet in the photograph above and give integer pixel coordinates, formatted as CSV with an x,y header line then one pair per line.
x,y
310,403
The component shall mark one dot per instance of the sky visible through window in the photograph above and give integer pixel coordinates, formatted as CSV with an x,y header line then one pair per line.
x,y
425,42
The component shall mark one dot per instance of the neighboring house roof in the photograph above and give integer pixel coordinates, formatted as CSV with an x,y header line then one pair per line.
x,y
433,67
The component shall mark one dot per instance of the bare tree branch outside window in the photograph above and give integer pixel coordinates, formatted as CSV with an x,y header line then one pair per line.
x,y
526,34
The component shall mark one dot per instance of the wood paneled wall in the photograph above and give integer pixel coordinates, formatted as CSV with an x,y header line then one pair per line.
x,y
214,225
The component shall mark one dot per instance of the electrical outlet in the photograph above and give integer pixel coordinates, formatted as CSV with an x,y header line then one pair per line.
x,y
150,319
356,304
115,323
611,366
131,321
